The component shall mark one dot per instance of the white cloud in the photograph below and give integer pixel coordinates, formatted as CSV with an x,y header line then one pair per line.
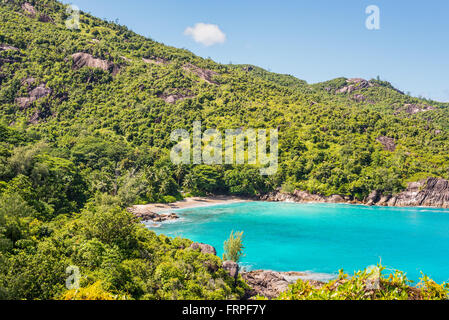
x,y
207,34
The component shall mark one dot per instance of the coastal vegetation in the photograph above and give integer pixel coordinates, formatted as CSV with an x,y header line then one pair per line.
x,y
368,284
85,121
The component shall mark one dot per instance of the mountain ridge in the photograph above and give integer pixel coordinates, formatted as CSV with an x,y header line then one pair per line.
x,y
105,82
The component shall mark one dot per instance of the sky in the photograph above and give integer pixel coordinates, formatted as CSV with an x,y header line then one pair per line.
x,y
313,40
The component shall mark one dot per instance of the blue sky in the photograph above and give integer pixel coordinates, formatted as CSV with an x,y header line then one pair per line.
x,y
314,40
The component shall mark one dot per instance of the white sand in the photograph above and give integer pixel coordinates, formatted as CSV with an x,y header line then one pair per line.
x,y
187,203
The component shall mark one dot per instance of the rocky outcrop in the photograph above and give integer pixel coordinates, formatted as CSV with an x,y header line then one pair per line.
x,y
415,108
361,98
387,143
165,217
29,9
302,196
232,268
45,18
355,84
39,92
31,12
28,81
204,248
270,283
205,74
126,59
154,60
430,192
4,47
146,215
81,59
40,114
173,98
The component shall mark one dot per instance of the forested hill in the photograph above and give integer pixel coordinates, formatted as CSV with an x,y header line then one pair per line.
x,y
85,122
100,102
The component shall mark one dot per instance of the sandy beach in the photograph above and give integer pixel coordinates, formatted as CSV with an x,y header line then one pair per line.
x,y
187,203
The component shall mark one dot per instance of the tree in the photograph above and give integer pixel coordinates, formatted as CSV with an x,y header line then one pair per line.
x,y
233,247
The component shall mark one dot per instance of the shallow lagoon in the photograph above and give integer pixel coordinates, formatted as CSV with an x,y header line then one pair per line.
x,y
322,238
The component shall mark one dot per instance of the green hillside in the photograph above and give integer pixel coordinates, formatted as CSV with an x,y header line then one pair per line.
x,y
86,117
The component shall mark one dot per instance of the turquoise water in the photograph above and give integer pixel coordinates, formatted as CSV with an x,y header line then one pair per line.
x,y
322,238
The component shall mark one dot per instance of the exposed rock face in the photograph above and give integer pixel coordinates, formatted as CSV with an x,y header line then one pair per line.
x,y
387,143
35,94
28,81
4,47
39,115
361,98
204,74
270,283
81,59
165,217
204,248
172,98
146,215
372,198
154,60
232,268
416,108
301,196
355,84
29,9
430,192
126,59
45,18
31,12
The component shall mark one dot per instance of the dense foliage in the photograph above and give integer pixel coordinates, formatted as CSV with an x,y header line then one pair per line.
x,y
92,142
117,257
115,127
363,286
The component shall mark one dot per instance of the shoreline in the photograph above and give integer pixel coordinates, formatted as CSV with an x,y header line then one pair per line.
x,y
352,203
191,202
207,201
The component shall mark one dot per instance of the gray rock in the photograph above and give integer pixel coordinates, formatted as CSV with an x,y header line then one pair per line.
x,y
271,283
81,59
204,74
416,108
232,268
387,143
4,47
354,84
154,61
204,248
372,198
430,192
172,98
301,196
29,9
146,215
165,217
39,92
